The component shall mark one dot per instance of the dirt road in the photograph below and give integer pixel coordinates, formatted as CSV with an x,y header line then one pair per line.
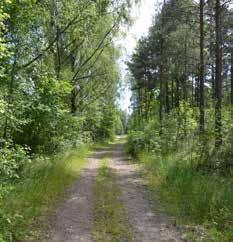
x,y
74,218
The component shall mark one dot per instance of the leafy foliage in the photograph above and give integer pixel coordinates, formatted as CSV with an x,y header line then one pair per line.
x,y
58,90
12,162
182,84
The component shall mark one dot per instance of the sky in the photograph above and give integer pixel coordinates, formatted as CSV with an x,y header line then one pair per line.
x,y
142,15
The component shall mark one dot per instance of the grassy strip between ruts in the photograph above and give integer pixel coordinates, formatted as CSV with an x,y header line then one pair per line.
x,y
24,212
110,223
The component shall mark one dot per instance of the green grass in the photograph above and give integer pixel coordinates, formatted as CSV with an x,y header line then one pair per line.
x,y
25,210
192,196
110,223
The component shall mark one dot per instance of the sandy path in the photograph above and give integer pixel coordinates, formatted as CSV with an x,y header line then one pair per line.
x,y
148,225
74,218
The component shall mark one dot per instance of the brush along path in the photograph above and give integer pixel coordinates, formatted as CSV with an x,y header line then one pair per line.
x,y
147,225
73,220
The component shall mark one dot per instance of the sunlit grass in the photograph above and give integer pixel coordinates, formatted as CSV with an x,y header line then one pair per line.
x,y
26,209
109,214
192,196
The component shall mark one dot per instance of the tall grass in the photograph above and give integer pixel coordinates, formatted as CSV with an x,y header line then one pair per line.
x,y
194,196
24,211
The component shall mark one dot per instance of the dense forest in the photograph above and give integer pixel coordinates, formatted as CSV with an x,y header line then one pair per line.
x,y
59,82
59,92
58,60
182,81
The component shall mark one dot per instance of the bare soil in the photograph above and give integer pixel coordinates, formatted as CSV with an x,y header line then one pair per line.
x,y
73,221
148,224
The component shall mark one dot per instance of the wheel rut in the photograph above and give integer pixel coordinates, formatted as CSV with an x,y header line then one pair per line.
x,y
73,220
148,225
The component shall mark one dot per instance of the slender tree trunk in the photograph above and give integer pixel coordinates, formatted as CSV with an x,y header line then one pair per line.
x,y
212,44
218,75
192,99
55,32
202,69
213,81
73,101
172,94
232,78
73,94
197,91
58,54
177,93
185,80
161,72
167,106
161,93
10,94
140,106
147,102
151,102
9,101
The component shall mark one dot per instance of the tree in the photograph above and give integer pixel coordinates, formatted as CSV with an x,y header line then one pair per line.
x,y
218,74
232,78
202,68
61,63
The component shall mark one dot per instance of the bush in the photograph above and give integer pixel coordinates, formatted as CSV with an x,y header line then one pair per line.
x,y
12,161
145,139
135,142
178,126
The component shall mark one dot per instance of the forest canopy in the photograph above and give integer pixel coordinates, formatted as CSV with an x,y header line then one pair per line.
x,y
182,72
59,76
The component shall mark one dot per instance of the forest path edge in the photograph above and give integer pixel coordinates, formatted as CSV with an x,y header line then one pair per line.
x,y
73,220
148,224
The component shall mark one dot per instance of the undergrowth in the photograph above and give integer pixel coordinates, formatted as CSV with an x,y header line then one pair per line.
x,y
25,205
109,215
194,196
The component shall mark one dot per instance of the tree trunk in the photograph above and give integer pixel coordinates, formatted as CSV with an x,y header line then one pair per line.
x,y
185,76
161,72
172,94
55,32
197,91
192,98
58,55
212,44
232,78
218,75
167,105
140,106
161,93
213,81
73,102
177,93
202,69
